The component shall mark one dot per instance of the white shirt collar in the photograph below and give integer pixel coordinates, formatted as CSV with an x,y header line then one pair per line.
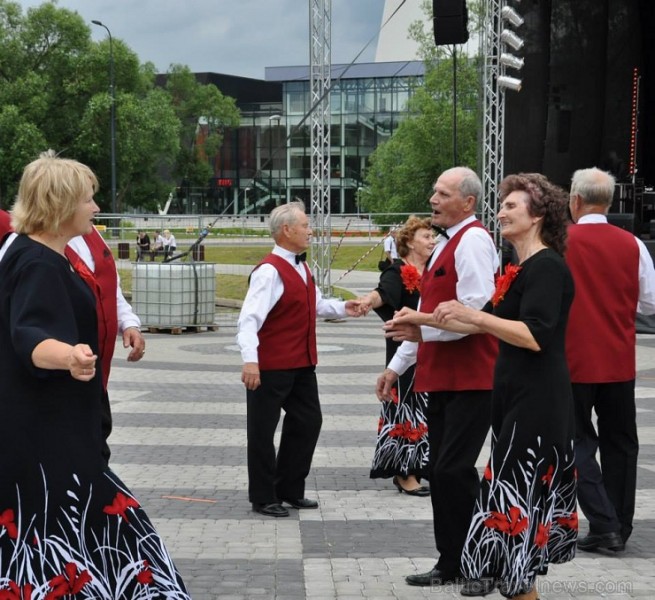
x,y
592,218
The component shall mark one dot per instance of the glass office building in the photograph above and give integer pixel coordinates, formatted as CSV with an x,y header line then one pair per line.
x,y
267,160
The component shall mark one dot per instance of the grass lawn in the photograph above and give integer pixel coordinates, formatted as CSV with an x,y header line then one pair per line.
x,y
234,287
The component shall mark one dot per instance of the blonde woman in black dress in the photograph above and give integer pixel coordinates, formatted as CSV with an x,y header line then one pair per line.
x,y
69,526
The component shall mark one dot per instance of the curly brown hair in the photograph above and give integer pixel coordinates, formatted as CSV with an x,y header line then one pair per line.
x,y
406,233
546,200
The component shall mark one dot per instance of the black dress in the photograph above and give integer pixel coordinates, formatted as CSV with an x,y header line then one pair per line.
x,y
526,515
402,444
68,525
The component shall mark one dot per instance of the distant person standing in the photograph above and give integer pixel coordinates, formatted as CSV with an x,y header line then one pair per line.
x,y
277,338
390,247
614,278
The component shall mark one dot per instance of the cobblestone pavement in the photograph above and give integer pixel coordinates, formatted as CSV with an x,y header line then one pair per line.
x,y
179,442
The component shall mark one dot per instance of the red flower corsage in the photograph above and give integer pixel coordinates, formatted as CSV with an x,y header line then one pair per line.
x,y
504,282
411,278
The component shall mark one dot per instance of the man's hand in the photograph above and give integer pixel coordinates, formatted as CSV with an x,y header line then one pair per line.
x,y
250,376
357,308
384,384
132,338
402,332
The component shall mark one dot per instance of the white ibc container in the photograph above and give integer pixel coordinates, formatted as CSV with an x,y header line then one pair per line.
x,y
174,294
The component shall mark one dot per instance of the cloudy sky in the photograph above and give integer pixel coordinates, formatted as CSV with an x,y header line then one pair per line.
x,y
238,37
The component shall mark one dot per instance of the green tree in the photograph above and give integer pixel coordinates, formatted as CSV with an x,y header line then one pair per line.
x,y
204,113
55,93
401,171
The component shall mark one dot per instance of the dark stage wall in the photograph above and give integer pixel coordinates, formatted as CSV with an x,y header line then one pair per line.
x,y
575,108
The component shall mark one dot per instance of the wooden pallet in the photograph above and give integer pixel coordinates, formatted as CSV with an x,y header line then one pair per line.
x,y
182,328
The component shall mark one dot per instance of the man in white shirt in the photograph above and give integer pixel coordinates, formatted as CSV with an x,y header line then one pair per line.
x,y
277,338
390,249
455,370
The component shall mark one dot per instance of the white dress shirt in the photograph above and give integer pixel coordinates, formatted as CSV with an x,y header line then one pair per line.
x,y
476,261
264,291
646,304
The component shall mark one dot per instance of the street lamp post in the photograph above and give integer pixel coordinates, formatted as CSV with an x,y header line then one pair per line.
x,y
245,199
276,118
112,117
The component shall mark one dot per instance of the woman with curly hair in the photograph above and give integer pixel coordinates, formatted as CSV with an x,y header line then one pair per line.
x,y
525,517
401,450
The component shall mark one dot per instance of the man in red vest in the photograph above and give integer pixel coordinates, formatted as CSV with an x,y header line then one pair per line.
x,y
277,338
614,279
93,260
5,223
456,370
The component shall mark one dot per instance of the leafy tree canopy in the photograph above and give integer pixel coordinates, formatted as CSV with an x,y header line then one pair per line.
x,y
55,93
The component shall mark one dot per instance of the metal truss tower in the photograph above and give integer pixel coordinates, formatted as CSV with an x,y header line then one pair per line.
x,y
493,114
320,66
497,38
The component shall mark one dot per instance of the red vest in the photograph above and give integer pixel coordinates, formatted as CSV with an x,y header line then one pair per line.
x,y
600,337
287,339
464,364
104,283
5,223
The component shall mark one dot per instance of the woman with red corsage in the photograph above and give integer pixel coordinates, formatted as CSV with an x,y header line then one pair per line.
x,y
525,517
401,450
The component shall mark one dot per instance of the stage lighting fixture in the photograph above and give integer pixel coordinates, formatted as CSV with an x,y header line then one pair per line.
x,y
511,39
510,15
509,60
510,83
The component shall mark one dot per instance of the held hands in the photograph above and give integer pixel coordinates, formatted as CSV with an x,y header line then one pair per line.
x,y
82,362
384,384
357,308
250,376
132,338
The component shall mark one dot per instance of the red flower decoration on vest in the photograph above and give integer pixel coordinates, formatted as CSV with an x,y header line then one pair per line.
x,y
503,283
411,278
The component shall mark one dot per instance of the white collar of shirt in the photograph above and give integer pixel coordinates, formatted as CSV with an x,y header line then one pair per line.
x,y
290,257
442,240
593,218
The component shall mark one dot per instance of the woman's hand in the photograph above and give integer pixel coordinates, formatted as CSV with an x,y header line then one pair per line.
x,y
452,310
82,362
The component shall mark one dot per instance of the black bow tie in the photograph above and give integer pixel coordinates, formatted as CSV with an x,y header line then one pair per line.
x,y
301,257
440,231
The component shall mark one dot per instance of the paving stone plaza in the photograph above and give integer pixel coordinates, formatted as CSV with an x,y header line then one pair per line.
x,y
179,442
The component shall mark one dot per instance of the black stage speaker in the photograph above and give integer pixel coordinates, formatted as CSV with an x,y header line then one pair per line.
x,y
450,22
623,220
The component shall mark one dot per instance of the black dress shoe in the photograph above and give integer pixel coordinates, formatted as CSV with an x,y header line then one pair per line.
x,y
595,541
274,509
301,502
478,587
434,577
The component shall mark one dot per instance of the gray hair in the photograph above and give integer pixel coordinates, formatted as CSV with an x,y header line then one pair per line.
x,y
285,214
593,186
470,184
